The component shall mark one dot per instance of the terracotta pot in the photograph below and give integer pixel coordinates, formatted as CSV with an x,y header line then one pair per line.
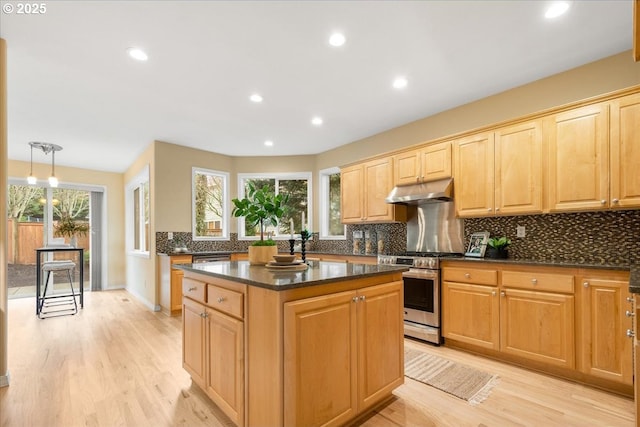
x,y
260,255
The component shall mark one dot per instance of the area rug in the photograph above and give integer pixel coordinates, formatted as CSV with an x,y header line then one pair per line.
x,y
461,381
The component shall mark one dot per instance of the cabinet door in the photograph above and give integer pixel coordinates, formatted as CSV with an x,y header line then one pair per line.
x,y
193,340
406,168
320,360
606,350
436,162
471,314
352,194
518,169
225,376
474,175
538,326
380,342
176,289
579,159
625,152
378,178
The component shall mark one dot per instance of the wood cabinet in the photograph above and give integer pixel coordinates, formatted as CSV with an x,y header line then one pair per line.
x,y
328,381
213,344
428,163
578,157
606,351
171,282
364,188
625,152
568,321
470,306
499,173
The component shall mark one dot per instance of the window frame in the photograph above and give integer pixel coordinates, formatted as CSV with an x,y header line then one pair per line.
x,y
226,202
323,206
277,176
137,183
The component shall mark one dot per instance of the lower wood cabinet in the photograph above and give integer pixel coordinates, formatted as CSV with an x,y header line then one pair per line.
x,y
193,340
568,318
358,360
171,282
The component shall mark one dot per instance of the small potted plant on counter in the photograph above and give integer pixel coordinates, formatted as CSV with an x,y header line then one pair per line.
x,y
497,247
261,207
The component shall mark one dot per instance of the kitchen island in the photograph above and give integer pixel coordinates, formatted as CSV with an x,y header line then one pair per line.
x,y
322,346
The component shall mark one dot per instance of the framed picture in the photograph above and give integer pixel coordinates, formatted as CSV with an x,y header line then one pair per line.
x,y
477,244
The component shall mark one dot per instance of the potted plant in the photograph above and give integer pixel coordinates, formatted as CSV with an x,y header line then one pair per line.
x,y
261,207
69,227
497,247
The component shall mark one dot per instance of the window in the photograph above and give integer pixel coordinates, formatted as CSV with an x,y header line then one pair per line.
x,y
209,192
331,226
297,186
137,206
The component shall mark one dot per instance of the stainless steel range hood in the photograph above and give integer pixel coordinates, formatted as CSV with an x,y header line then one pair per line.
x,y
426,192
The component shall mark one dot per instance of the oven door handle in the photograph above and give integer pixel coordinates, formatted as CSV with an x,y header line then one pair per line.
x,y
420,275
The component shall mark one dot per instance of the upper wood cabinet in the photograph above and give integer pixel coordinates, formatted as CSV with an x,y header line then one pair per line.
x,y
579,158
428,163
364,188
625,152
499,173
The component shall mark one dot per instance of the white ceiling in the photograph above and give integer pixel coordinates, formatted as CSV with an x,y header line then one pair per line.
x,y
70,81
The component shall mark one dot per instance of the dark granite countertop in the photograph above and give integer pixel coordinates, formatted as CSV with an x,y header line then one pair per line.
x,y
318,273
634,279
570,264
196,253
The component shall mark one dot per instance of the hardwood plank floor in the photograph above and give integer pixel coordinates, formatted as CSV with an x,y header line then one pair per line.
x,y
118,364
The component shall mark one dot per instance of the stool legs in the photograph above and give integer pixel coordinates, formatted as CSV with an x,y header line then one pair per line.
x,y
46,286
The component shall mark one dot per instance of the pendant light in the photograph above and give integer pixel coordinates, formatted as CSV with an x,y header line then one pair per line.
x,y
46,149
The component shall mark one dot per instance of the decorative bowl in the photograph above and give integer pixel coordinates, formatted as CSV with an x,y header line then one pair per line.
x,y
284,258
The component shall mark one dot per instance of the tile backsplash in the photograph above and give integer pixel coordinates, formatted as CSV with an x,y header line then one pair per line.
x,y
608,237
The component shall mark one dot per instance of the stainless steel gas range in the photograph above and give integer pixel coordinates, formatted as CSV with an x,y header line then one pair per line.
x,y
422,289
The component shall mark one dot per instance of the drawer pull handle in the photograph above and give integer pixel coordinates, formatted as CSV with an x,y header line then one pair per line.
x,y
603,201
534,281
493,293
615,201
221,299
192,289
467,275
630,333
354,299
362,297
585,284
204,315
503,293
629,299
629,313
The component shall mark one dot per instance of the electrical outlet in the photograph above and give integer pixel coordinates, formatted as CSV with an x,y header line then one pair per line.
x,y
357,234
170,235
520,231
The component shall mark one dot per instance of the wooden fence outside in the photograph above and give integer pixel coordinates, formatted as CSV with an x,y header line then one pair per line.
x,y
30,238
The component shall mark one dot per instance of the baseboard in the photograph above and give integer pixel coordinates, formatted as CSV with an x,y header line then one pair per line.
x,y
4,380
151,306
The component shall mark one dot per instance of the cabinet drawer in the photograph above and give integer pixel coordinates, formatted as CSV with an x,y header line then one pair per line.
x,y
181,259
538,281
225,300
471,275
194,289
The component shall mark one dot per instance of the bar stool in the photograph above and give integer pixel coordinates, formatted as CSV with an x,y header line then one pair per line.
x,y
63,307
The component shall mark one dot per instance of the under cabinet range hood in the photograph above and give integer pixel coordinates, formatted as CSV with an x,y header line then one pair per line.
x,y
425,192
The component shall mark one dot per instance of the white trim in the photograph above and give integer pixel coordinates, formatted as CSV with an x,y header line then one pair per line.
x,y
135,182
322,205
226,202
277,176
5,380
151,306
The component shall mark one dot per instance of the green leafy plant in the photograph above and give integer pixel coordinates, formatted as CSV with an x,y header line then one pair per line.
x,y
69,227
499,243
263,207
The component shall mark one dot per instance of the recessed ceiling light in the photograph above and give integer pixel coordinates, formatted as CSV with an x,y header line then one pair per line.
x,y
137,53
256,97
337,39
400,82
556,9
316,121
268,143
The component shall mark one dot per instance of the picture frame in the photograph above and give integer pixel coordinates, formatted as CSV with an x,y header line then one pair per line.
x,y
477,244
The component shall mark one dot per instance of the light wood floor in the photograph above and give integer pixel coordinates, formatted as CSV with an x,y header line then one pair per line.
x,y
117,364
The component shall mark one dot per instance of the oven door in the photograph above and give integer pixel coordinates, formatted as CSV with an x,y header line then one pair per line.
x,y
422,296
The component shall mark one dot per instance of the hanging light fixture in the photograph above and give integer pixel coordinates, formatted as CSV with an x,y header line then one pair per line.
x,y
46,149
32,180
